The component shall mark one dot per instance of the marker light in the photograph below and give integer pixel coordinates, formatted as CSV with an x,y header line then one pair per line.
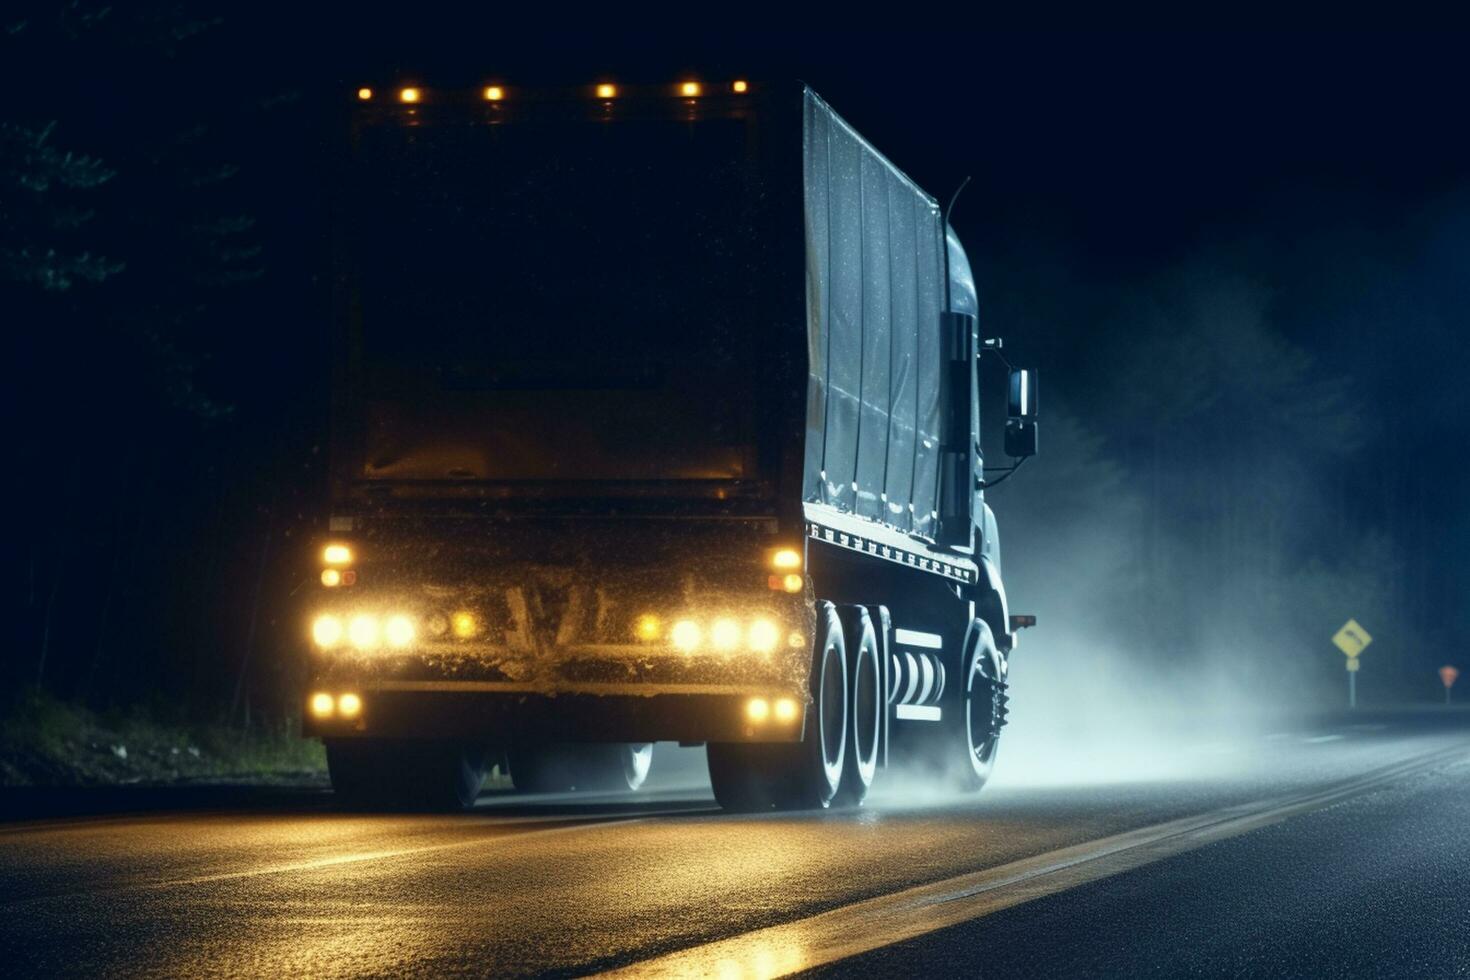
x,y
327,631
647,627
785,709
464,624
762,636
740,85
757,709
364,93
337,554
690,90
725,634
494,93
321,705
363,632
331,578
685,635
399,631
409,95
786,559
788,583
350,706
607,91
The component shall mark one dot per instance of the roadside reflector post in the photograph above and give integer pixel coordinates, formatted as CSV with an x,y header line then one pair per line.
x,y
1352,640
1447,675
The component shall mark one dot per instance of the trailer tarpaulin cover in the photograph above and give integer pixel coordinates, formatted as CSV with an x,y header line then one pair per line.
x,y
874,294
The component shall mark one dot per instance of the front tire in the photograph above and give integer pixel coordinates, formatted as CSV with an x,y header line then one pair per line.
x,y
405,774
983,712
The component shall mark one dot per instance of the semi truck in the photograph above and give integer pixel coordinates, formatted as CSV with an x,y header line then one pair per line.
x,y
655,416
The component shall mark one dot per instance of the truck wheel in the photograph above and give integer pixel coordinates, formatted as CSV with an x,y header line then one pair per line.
x,y
984,711
793,775
864,708
404,774
593,766
745,776
814,765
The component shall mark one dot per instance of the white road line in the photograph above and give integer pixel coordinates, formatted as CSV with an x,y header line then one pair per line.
x,y
1319,739
877,922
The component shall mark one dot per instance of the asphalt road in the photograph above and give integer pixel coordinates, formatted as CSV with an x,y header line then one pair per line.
x,y
1336,848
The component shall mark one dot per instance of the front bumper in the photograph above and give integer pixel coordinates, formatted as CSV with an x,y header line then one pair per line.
x,y
499,712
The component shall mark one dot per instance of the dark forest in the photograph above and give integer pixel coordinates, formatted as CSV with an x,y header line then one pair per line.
x,y
1239,265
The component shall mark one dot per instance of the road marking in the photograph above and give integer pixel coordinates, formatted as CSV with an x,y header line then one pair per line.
x,y
1319,739
563,825
840,933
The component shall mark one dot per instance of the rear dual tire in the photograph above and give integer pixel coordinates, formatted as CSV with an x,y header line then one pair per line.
x,y
808,774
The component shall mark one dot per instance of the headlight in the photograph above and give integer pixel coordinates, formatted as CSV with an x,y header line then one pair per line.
x,y
399,631
327,631
762,636
686,635
725,634
363,632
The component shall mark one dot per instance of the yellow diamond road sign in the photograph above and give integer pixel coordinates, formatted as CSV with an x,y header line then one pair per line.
x,y
1352,639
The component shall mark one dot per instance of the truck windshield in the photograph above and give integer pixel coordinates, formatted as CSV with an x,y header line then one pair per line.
x,y
558,300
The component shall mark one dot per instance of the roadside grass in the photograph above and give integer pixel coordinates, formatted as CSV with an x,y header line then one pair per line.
x,y
48,742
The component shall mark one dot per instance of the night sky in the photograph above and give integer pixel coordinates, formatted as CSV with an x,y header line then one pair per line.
x,y
1239,263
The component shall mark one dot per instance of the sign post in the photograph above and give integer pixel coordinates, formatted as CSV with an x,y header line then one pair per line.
x,y
1447,675
1352,640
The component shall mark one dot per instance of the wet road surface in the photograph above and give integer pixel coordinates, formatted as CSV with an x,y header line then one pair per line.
x,y
1336,848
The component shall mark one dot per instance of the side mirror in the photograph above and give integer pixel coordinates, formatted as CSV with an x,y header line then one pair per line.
x,y
1021,412
1021,401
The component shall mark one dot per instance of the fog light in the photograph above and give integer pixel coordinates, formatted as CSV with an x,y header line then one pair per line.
x,y
363,632
686,635
647,627
349,705
327,631
725,634
331,578
785,709
399,631
763,636
321,705
757,709
465,626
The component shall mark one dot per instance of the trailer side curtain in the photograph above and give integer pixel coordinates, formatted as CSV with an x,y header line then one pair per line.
x,y
874,293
